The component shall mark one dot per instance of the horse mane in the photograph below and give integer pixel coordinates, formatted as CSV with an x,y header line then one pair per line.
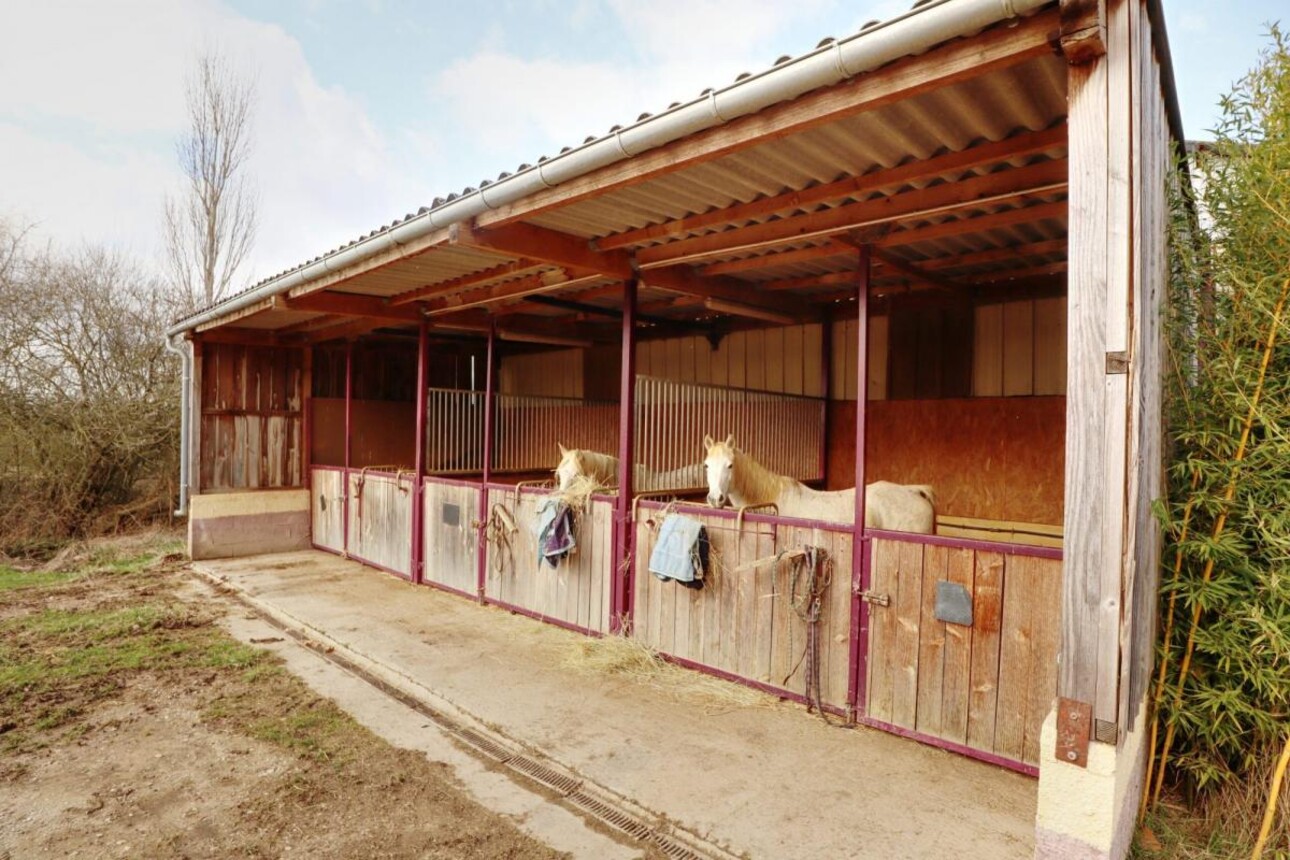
x,y
593,464
754,482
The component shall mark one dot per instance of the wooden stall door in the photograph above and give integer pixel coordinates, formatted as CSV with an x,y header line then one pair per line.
x,y
380,520
986,686
327,488
576,593
741,622
451,541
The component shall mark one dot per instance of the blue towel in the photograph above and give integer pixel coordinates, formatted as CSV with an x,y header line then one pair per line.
x,y
555,538
681,552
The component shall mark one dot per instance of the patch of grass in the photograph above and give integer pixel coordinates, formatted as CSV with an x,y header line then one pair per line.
x,y
317,731
1176,834
12,579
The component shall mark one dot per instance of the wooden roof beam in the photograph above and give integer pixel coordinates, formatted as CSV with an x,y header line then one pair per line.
x,y
532,285
1046,178
980,223
1083,30
463,283
347,304
1017,146
783,258
995,255
957,61
563,249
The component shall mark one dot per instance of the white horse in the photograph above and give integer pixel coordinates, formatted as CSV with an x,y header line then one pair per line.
x,y
738,479
603,469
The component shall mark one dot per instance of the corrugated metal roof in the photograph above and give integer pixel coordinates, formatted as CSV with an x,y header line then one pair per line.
x,y
1027,97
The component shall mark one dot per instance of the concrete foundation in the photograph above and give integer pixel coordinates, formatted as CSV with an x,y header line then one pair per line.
x,y
231,525
1089,813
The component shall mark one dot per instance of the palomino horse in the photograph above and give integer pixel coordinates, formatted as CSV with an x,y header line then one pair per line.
x,y
603,469
738,479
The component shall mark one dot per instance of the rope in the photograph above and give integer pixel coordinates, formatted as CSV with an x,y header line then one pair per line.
x,y
497,532
810,577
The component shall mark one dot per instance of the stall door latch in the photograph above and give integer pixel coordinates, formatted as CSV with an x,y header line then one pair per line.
x,y
875,598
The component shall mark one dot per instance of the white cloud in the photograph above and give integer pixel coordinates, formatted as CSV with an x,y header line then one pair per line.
x,y
91,102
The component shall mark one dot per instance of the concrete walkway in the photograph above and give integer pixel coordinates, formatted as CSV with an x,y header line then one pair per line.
x,y
758,780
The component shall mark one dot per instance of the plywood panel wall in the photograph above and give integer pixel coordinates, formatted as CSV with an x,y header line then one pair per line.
x,y
558,373
990,458
784,360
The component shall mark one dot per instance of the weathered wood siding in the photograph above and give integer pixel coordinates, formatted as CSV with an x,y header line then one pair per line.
x,y
987,686
1020,348
383,433
451,541
576,592
741,621
785,359
380,519
327,503
251,419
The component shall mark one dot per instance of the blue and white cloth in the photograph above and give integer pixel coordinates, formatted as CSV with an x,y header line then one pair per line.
x,y
555,537
681,551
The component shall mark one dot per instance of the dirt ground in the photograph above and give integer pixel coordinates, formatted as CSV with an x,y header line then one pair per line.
x,y
131,725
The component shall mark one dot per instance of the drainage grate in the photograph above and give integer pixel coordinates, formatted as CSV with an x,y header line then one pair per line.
x,y
486,746
671,848
615,818
543,774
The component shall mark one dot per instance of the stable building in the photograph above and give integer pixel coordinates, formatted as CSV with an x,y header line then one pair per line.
x,y
929,253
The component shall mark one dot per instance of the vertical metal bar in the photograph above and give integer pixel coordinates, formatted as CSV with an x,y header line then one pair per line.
x,y
861,550
349,396
419,457
490,379
620,603
306,419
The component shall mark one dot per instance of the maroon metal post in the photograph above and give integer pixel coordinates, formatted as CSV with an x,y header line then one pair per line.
x,y
860,550
419,457
489,382
620,597
306,417
349,397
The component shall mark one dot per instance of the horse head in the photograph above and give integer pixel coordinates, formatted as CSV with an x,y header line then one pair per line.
x,y
570,466
719,464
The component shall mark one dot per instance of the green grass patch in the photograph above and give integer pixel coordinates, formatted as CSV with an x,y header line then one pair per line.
x,y
318,731
12,579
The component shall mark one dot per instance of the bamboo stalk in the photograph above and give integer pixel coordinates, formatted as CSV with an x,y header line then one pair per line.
x,y
1219,525
1274,790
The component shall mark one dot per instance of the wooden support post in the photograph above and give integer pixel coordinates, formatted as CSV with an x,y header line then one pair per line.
x,y
419,458
306,414
490,380
620,603
859,650
195,422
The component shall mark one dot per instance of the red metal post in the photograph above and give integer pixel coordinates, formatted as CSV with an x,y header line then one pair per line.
x,y
419,457
349,397
620,597
489,382
306,415
860,550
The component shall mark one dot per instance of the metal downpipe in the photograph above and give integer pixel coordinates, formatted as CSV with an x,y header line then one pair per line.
x,y
185,436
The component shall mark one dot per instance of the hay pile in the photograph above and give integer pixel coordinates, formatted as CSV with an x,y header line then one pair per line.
x,y
636,663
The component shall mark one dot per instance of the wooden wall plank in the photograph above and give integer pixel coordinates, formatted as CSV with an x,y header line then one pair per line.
x,y
885,579
957,673
1050,346
1046,628
1018,348
1015,646
987,358
987,618
878,356
794,361
813,360
907,606
931,644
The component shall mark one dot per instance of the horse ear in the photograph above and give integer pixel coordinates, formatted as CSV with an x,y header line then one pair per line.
x,y
564,452
730,440
707,440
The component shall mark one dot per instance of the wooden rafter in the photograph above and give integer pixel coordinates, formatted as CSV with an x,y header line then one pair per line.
x,y
914,273
464,282
530,286
1026,273
958,227
1018,146
347,304
995,255
562,249
1003,186
1083,30
245,336
1000,48
783,258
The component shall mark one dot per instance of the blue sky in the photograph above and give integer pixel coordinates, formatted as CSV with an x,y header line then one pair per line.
x,y
370,108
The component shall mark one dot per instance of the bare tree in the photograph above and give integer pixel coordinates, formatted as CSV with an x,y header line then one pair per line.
x,y
211,226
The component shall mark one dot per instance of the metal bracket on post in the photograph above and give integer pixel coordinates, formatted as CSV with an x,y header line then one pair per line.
x,y
1074,729
873,598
